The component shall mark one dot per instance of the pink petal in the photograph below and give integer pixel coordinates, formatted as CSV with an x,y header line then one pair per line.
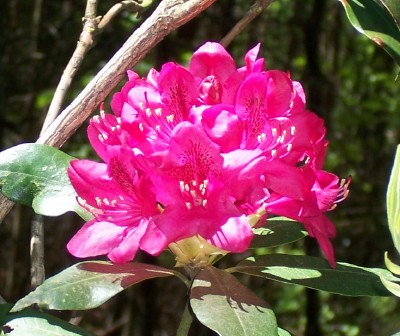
x,y
234,236
128,247
178,91
222,126
212,59
95,238
90,180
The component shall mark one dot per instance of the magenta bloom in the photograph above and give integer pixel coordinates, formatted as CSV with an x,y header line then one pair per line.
x,y
193,152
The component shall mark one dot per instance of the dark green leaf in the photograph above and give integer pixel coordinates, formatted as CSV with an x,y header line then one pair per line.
x,y
88,284
393,201
34,323
224,305
36,175
278,232
393,6
374,20
316,273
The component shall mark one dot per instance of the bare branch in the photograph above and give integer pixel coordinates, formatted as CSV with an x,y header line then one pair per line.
x,y
168,16
253,12
130,5
90,22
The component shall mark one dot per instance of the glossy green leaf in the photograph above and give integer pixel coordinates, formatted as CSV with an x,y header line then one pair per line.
x,y
34,323
36,175
393,201
373,20
89,284
391,266
223,304
314,272
393,6
277,231
392,286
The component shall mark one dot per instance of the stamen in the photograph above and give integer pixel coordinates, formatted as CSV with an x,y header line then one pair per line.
x,y
274,132
170,118
273,153
141,105
148,112
289,147
188,205
292,130
182,186
98,201
204,203
158,111
261,137
141,127
121,197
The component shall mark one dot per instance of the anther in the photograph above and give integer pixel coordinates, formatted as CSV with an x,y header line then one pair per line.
x,y
170,118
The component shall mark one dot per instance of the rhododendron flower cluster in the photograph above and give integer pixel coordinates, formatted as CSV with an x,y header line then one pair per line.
x,y
207,151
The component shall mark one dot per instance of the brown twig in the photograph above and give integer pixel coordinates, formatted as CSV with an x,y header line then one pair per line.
x,y
130,5
90,22
168,16
255,10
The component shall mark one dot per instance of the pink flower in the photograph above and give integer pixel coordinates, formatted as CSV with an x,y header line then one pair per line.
x,y
190,154
122,202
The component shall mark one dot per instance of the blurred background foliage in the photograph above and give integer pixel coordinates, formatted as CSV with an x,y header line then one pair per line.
x,y
349,82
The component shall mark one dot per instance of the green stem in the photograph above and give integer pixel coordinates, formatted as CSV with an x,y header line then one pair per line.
x,y
182,277
186,322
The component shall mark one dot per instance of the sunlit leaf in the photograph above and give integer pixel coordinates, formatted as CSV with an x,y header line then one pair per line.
x,y
393,201
36,175
314,272
224,305
34,323
373,20
88,284
392,286
278,231
391,266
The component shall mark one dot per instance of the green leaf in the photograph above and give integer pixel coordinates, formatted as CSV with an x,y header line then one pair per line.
x,y
278,231
393,6
316,273
283,332
88,284
391,266
373,20
393,201
391,286
34,323
223,304
36,175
